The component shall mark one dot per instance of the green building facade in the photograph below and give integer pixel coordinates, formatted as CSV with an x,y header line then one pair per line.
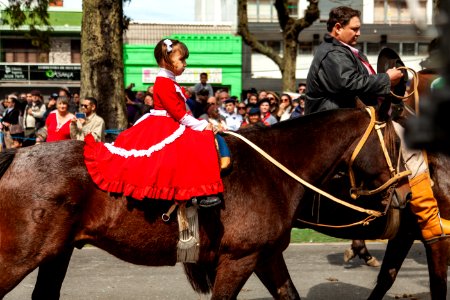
x,y
219,55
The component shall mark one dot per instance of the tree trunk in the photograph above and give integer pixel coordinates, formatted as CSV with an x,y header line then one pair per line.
x,y
102,59
289,65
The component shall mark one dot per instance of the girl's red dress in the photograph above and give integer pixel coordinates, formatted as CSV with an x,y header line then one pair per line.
x,y
161,156
56,132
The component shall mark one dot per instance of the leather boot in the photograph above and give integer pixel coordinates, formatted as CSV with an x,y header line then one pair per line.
x,y
424,206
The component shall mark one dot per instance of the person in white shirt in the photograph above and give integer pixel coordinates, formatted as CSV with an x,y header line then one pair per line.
x,y
232,119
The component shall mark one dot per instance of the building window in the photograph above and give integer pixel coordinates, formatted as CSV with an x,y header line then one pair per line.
x,y
22,51
305,48
395,11
75,51
422,49
373,48
275,45
293,8
261,11
409,48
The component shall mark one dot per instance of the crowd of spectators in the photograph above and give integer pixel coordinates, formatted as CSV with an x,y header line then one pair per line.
x,y
29,118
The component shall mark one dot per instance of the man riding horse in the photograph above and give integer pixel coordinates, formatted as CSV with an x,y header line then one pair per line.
x,y
339,75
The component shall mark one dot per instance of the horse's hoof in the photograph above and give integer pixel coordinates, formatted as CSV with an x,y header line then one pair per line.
x,y
373,262
349,254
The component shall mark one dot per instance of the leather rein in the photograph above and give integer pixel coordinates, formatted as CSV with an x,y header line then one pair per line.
x,y
355,191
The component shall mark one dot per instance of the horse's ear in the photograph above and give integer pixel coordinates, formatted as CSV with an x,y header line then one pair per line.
x,y
359,103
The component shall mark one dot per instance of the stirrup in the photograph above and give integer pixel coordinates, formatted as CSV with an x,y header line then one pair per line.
x,y
207,202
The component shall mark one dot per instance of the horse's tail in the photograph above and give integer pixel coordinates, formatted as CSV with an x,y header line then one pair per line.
x,y
201,277
6,159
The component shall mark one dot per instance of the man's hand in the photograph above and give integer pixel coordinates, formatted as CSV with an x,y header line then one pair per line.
x,y
394,75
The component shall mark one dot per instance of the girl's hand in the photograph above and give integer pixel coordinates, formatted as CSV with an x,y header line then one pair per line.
x,y
209,127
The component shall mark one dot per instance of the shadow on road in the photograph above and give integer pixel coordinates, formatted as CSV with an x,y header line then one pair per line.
x,y
346,291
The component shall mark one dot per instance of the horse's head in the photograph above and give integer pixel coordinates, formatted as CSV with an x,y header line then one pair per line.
x,y
376,168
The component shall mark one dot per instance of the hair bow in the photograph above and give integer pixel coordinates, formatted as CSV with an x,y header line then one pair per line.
x,y
168,44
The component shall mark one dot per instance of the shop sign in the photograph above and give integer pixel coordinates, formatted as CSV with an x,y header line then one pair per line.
x,y
190,75
13,72
55,72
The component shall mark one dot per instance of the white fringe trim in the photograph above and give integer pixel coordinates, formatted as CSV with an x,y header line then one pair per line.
x,y
148,152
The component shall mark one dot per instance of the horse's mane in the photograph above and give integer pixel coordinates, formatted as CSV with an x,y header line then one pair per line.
x,y
6,159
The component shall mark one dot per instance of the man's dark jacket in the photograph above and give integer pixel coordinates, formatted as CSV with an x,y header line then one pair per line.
x,y
336,77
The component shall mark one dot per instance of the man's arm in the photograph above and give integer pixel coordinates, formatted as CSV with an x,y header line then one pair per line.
x,y
341,74
98,129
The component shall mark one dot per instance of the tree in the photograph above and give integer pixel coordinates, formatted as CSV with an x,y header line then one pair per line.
x,y
102,59
101,49
290,30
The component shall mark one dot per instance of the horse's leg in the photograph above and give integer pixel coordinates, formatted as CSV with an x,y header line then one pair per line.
x,y
396,251
437,257
274,274
51,276
232,273
359,248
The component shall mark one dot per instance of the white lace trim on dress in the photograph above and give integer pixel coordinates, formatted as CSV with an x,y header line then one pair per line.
x,y
148,152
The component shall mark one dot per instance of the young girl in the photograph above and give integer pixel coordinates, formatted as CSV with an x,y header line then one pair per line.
x,y
167,154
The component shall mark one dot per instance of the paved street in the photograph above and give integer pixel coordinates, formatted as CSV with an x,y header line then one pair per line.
x,y
317,270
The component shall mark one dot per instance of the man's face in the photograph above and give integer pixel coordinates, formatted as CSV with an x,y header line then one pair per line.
x,y
76,98
253,119
223,96
349,33
203,79
140,95
264,107
87,107
229,107
301,89
212,101
29,98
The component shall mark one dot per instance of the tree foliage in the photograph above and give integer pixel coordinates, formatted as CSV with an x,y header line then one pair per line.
x,y
290,30
33,14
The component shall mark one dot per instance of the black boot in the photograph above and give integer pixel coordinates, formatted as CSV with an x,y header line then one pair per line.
x,y
209,201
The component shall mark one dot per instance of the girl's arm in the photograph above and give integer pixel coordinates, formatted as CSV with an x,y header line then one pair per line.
x,y
173,101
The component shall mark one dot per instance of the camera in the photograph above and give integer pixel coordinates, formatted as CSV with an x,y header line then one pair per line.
x,y
80,115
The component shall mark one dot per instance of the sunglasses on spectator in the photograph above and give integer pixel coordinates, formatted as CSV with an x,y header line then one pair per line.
x,y
241,107
284,99
210,103
84,105
271,98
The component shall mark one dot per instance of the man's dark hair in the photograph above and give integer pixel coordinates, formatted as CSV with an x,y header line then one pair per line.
x,y
204,74
203,92
341,15
92,100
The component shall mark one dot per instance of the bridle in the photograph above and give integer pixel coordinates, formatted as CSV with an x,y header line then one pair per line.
x,y
355,192
396,174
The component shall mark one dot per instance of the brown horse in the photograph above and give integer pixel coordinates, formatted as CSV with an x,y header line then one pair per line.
x,y
49,205
437,253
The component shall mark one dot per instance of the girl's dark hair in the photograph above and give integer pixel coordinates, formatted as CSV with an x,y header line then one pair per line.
x,y
162,53
341,15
